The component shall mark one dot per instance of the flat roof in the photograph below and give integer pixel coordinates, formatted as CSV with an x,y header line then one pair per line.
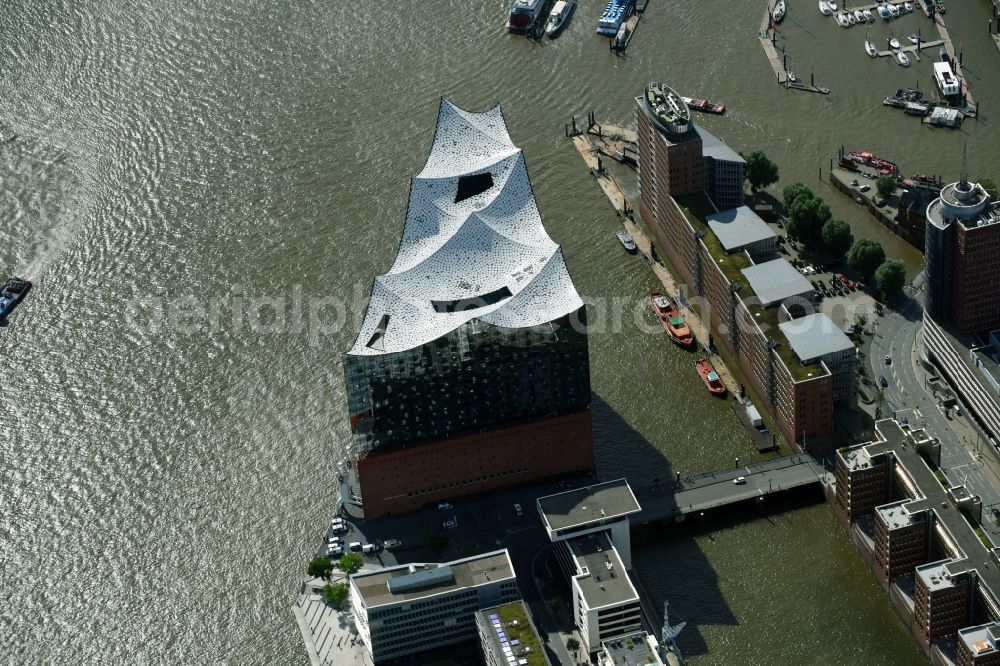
x,y
714,147
468,572
638,649
936,575
895,515
738,227
814,336
980,639
774,281
513,633
605,582
600,501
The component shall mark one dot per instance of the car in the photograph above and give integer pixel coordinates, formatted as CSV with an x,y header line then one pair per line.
x,y
368,549
355,545
879,203
392,543
334,551
518,510
996,512
445,506
781,225
883,382
451,523
740,480
855,183
888,360
865,188
339,529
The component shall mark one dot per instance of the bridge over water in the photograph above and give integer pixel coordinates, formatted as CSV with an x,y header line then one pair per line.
x,y
715,489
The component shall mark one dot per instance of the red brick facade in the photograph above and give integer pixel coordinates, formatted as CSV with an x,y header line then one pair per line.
x,y
976,272
404,479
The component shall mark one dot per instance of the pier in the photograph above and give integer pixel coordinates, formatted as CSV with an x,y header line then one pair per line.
x,y
609,185
777,61
717,489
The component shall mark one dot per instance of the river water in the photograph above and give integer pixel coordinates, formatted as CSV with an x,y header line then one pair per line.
x,y
197,187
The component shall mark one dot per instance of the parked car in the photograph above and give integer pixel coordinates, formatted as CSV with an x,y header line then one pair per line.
x,y
740,480
888,360
883,382
445,506
451,523
368,549
355,545
392,543
518,510
865,188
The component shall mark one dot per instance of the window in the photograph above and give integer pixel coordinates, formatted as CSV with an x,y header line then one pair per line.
x,y
470,186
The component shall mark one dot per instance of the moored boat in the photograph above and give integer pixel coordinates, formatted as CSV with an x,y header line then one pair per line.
x,y
523,15
791,76
824,8
626,240
852,159
884,13
613,16
867,13
843,21
870,48
11,294
860,16
893,43
851,18
908,6
893,9
779,11
713,382
672,321
557,17
703,105
916,39
832,4
903,59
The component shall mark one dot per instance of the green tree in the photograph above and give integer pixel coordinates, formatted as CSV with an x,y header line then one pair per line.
x,y
886,186
991,188
572,644
793,192
865,257
837,237
351,563
436,543
760,171
806,217
321,567
890,277
335,594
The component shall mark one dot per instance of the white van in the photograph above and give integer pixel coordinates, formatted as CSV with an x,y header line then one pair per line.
x,y
355,545
368,549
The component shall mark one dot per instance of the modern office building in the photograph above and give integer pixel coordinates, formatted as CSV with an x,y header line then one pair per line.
x,y
508,638
470,371
962,254
920,539
726,257
413,608
589,529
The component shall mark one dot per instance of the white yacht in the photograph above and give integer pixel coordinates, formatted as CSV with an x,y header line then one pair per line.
x,y
779,11
859,15
832,4
893,43
851,18
868,15
557,17
824,8
903,59
870,46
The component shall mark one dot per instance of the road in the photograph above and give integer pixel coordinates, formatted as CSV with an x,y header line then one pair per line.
x,y
964,457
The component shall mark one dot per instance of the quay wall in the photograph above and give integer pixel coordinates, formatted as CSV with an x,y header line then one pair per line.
x,y
914,235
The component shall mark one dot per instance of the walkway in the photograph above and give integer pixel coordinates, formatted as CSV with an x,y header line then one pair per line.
x,y
715,489
329,634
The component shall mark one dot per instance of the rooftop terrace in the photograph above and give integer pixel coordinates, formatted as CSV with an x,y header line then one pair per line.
x,y
638,649
514,631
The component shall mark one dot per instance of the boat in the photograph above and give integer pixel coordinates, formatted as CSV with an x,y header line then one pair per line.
x,y
939,6
523,15
613,16
903,59
626,240
791,76
713,382
867,13
673,323
908,7
852,159
824,8
943,55
893,43
870,47
779,11
893,9
557,17
703,105
851,18
884,13
916,39
11,294
945,80
832,4
928,7
842,20
859,15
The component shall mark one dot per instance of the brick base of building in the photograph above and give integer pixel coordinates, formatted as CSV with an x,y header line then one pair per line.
x,y
405,479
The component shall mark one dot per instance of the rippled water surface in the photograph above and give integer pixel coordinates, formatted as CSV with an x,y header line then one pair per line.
x,y
166,454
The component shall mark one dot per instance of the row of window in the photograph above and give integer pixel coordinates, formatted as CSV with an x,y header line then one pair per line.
x,y
467,482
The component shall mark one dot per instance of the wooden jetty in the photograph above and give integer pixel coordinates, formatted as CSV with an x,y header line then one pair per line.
x,y
915,49
613,191
970,110
777,60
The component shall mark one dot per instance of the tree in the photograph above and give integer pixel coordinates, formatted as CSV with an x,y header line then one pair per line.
x,y
793,192
865,257
991,188
321,567
806,217
837,237
886,186
351,563
890,277
335,594
572,644
760,171
436,543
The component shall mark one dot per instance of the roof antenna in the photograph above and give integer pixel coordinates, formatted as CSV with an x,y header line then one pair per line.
x,y
964,182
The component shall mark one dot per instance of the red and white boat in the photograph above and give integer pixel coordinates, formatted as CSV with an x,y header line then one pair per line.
x,y
707,372
524,14
703,105
852,159
672,320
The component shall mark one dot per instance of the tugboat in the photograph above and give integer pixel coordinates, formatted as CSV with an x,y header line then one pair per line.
x,y
711,378
626,240
11,295
703,105
673,323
